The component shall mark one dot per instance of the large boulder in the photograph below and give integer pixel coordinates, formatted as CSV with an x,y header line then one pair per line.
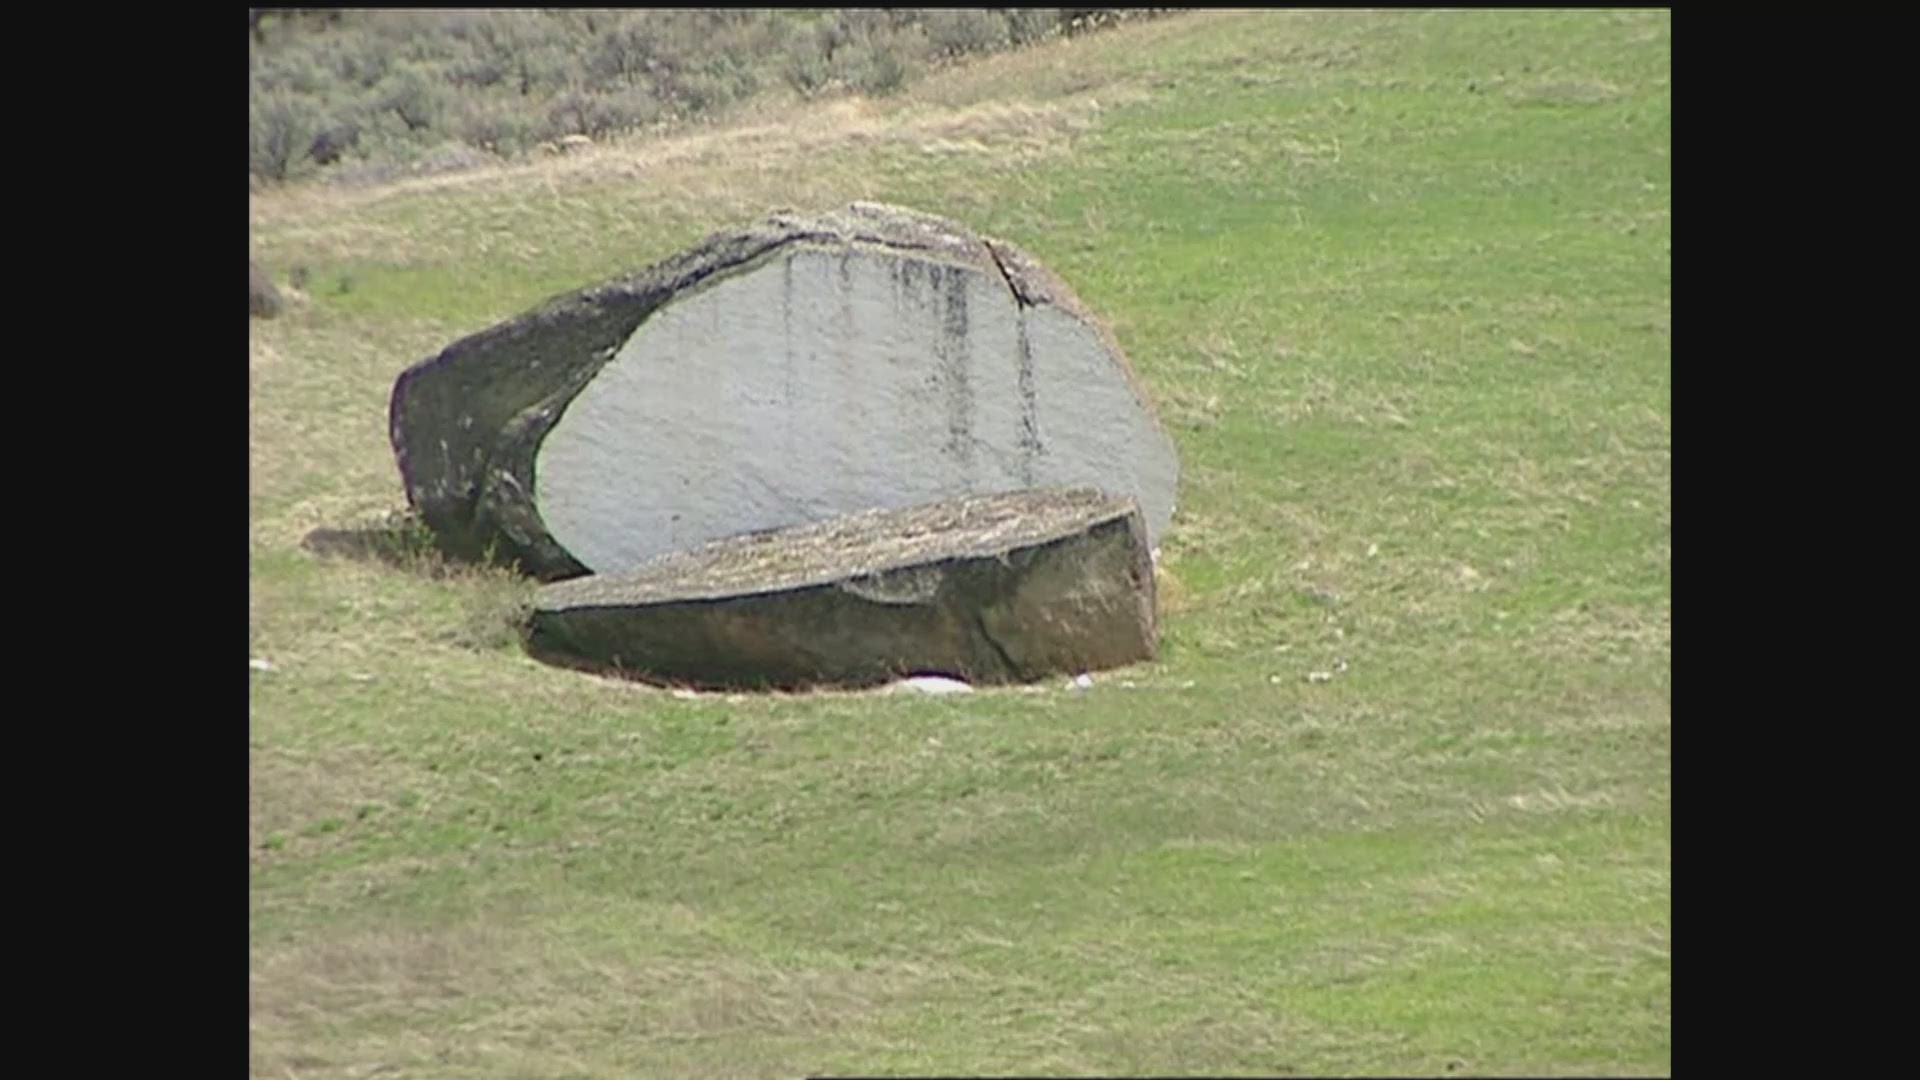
x,y
989,589
788,372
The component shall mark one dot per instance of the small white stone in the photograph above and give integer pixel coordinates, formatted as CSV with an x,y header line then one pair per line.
x,y
936,684
260,664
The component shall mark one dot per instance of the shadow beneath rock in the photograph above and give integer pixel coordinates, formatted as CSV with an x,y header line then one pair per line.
x,y
398,541
401,541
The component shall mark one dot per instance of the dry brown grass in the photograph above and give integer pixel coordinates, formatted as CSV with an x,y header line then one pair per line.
x,y
826,154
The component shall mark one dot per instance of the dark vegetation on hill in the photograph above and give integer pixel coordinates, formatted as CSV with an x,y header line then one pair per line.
x,y
364,96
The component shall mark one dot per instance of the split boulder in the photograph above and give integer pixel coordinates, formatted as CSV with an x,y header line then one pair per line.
x,y
986,589
782,374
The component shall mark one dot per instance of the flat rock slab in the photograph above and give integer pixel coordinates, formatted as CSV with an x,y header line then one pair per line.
x,y
986,589
786,373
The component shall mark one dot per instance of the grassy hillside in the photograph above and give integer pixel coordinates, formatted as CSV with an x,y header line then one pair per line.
x,y
1401,285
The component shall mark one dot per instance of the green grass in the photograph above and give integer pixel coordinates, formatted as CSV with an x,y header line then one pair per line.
x,y
1400,282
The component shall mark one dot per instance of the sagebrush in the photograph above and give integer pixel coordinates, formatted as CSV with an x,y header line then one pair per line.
x,y
366,95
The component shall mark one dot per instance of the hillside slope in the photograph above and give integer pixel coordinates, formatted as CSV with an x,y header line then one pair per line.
x,y
1397,797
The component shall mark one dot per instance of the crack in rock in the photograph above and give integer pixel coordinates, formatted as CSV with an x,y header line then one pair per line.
x,y
999,650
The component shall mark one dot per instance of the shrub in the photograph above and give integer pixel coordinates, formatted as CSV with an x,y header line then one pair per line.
x,y
345,89
804,66
878,69
334,140
1028,25
283,126
414,95
572,113
357,59
581,112
495,126
957,32
625,52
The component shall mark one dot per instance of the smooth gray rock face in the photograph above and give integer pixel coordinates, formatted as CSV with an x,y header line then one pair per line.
x,y
796,370
988,589
829,381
